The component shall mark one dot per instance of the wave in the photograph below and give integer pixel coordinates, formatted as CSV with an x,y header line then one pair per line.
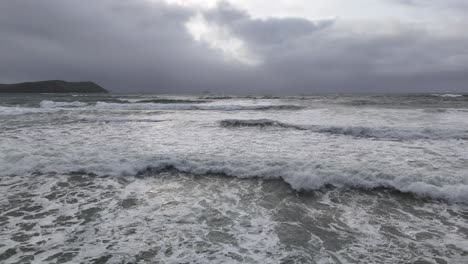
x,y
218,97
362,102
161,101
120,120
45,107
53,104
391,133
310,177
257,123
181,106
16,110
386,133
301,176
129,100
227,97
448,95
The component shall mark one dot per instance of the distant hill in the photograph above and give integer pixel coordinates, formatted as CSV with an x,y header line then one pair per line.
x,y
55,86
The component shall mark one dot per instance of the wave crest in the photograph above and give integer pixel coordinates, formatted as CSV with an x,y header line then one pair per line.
x,y
16,110
391,133
198,106
161,101
309,177
257,123
53,104
386,133
300,176
448,95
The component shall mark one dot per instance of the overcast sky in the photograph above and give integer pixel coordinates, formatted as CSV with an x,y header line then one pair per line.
x,y
239,46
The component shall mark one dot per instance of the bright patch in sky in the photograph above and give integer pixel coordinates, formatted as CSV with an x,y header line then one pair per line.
x,y
193,3
401,10
376,17
221,39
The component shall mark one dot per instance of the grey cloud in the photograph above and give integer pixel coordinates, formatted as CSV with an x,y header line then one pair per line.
x,y
456,5
264,32
126,46
137,46
310,56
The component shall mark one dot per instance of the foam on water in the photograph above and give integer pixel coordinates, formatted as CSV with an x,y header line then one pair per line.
x,y
176,218
449,95
131,100
52,104
141,105
161,100
198,106
312,148
389,133
64,152
156,192
12,111
258,123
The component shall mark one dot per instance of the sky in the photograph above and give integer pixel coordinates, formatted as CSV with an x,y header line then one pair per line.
x,y
239,46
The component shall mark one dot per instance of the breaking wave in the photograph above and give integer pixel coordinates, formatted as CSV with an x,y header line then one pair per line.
x,y
227,97
161,101
16,110
120,120
393,133
448,95
52,104
299,175
388,133
309,177
182,106
45,107
257,123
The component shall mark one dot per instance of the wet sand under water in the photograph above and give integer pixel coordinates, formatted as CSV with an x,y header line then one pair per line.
x,y
173,217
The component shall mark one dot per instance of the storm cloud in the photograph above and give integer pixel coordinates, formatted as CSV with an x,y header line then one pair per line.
x,y
161,47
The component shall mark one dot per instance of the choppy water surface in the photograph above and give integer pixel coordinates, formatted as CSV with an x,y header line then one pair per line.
x,y
188,179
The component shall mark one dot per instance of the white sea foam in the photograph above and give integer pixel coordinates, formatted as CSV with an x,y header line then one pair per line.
x,y
390,133
393,133
161,100
448,95
16,110
131,100
53,104
185,106
46,106
173,218
300,175
310,149
258,123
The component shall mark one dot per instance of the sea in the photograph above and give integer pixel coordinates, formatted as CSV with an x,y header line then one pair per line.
x,y
117,178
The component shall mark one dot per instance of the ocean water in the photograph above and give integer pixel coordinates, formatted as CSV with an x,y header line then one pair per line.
x,y
230,179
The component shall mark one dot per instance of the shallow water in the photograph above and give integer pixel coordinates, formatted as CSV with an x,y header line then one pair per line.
x,y
173,217
188,179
